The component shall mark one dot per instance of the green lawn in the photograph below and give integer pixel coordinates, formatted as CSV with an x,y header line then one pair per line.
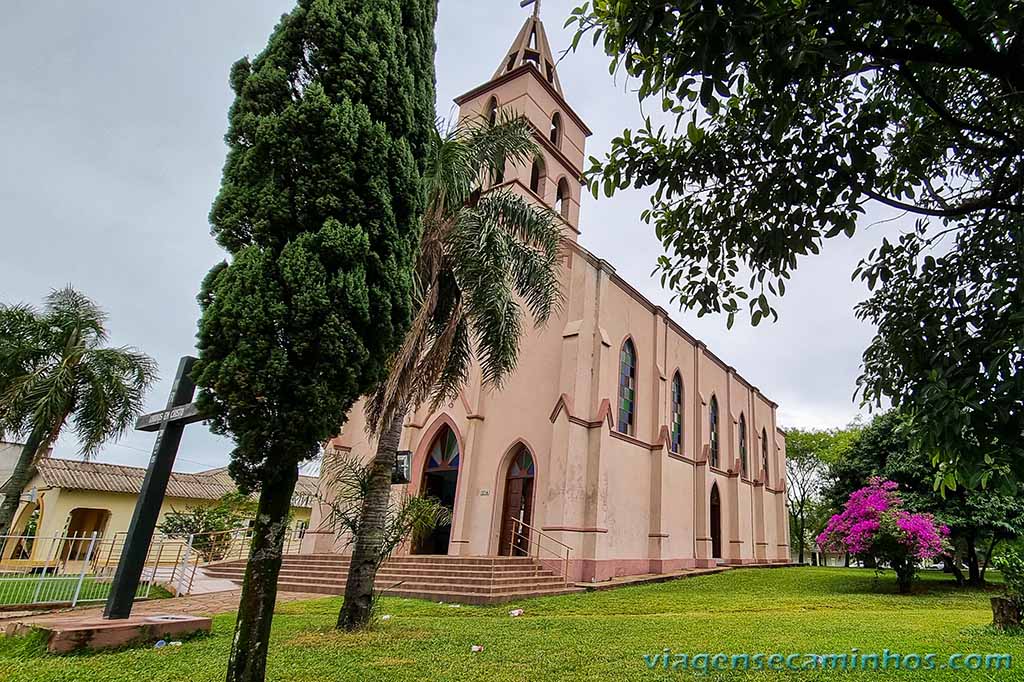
x,y
28,589
598,636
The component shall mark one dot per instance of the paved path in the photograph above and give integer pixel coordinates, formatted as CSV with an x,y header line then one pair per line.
x,y
650,578
197,605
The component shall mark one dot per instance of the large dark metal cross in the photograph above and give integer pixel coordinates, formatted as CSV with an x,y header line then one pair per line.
x,y
168,425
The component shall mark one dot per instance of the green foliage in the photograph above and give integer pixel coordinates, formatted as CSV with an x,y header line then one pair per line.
x,y
1011,564
210,523
809,453
978,519
785,120
405,516
319,208
485,255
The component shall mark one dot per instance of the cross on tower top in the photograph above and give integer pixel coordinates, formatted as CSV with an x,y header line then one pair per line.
x,y
531,48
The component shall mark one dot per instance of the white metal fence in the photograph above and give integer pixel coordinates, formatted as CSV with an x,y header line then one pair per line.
x,y
78,568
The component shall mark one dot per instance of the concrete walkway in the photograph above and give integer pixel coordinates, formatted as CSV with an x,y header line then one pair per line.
x,y
648,578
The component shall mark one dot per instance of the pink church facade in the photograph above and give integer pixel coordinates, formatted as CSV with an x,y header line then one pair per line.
x,y
620,436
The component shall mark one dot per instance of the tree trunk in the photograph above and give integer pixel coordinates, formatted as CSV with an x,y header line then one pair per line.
x,y
951,566
904,574
248,659
801,524
973,566
846,560
367,552
19,479
1005,613
988,558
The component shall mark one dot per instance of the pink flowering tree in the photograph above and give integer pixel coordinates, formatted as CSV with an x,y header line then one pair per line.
x,y
874,523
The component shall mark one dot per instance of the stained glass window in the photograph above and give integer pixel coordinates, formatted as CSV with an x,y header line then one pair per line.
x,y
764,453
743,444
522,465
713,434
627,389
444,453
677,413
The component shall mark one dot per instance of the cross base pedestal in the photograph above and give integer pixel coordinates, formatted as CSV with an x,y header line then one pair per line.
x,y
72,633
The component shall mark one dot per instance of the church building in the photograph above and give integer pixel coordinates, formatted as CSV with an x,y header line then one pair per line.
x,y
621,445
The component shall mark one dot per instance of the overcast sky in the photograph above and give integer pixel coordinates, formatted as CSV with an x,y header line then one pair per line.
x,y
111,148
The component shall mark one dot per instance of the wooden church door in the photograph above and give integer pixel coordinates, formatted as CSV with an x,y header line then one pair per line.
x,y
716,523
517,507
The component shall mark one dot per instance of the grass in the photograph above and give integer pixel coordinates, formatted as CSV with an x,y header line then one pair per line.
x,y
28,590
598,636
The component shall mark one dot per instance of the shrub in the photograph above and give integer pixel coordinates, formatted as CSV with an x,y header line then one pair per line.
x,y
1011,564
874,523
209,524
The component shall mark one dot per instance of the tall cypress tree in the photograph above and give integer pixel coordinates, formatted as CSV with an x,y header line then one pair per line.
x,y
319,209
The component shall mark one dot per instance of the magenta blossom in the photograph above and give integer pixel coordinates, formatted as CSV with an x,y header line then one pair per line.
x,y
875,523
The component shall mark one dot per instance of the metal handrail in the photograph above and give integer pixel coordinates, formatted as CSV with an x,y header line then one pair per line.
x,y
536,546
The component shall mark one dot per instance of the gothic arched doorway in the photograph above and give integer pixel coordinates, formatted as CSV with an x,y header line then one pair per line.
x,y
716,523
440,478
517,505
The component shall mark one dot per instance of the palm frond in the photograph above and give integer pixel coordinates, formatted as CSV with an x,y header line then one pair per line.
x,y
53,367
510,139
111,391
70,312
532,237
484,256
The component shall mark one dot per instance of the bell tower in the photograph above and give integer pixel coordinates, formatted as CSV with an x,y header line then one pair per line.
x,y
526,83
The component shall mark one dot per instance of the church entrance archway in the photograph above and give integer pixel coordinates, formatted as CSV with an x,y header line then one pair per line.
x,y
716,523
517,504
440,480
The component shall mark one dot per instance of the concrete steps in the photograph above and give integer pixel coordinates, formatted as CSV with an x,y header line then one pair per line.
x,y
466,580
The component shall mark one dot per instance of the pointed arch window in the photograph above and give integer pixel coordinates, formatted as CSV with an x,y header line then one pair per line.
x,y
743,444
492,111
562,199
677,413
764,454
537,177
556,130
627,389
713,432
522,466
444,453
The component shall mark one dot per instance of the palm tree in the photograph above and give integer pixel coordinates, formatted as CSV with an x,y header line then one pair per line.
x,y
484,257
54,368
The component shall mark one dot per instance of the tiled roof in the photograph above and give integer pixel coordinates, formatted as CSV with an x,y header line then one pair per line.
x,y
114,478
